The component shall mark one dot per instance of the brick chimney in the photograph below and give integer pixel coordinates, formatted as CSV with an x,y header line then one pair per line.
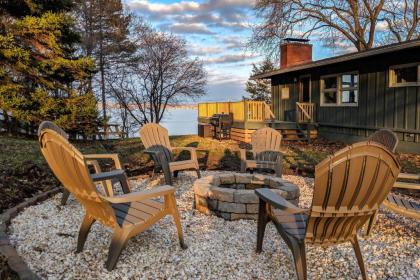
x,y
295,52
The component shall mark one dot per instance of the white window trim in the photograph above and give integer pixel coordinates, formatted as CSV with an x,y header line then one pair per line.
x,y
339,90
391,75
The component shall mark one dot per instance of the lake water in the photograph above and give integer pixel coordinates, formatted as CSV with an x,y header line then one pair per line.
x,y
180,121
176,121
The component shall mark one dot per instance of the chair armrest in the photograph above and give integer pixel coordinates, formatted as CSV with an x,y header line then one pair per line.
x,y
95,165
278,202
108,175
142,195
114,157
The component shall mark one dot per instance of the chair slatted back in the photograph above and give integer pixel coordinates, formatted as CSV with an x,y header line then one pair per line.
x,y
70,168
385,137
156,137
349,188
264,141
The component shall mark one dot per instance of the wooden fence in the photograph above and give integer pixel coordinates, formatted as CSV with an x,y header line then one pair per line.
x,y
305,112
254,111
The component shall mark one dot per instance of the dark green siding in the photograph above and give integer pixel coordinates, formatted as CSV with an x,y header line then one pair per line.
x,y
379,105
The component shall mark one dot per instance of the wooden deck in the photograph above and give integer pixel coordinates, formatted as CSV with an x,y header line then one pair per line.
x,y
248,116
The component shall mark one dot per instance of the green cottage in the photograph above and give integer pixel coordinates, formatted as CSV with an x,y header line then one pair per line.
x,y
348,97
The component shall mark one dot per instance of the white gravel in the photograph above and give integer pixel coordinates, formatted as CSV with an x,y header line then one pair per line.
x,y
45,236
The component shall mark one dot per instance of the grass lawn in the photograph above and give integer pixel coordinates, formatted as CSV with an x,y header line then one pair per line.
x,y
24,172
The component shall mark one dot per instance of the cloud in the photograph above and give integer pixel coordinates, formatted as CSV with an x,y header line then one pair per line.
x,y
233,42
343,47
224,4
190,28
230,14
381,26
216,32
200,50
189,6
213,20
225,87
229,58
180,7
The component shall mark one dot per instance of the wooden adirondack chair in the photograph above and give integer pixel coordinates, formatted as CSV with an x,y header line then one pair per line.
x,y
156,141
385,137
394,201
128,214
349,188
266,151
114,176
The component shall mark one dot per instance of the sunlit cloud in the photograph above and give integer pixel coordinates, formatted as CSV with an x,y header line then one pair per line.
x,y
229,58
198,50
190,28
180,7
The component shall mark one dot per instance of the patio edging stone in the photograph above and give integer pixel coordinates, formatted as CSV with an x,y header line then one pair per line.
x,y
14,261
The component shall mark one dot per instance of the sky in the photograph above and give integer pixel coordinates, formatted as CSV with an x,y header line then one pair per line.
x,y
216,32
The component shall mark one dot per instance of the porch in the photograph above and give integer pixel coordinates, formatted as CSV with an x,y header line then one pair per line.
x,y
249,116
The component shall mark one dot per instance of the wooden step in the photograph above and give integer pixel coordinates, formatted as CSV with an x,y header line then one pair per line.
x,y
404,185
409,176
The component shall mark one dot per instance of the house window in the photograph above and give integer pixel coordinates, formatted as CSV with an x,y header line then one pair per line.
x,y
340,90
404,75
329,92
349,86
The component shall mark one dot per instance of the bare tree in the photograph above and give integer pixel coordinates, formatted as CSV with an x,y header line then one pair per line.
x,y
358,23
402,19
103,26
160,73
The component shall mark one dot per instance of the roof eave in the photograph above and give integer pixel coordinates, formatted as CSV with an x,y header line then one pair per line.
x,y
341,58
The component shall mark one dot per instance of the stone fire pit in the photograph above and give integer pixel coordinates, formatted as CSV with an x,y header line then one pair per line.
x,y
232,196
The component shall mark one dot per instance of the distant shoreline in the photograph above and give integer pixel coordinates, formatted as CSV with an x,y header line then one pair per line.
x,y
169,106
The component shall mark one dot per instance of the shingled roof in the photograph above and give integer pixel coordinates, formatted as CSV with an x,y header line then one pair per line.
x,y
342,58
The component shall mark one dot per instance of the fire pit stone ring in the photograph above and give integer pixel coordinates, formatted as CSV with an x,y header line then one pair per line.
x,y
232,197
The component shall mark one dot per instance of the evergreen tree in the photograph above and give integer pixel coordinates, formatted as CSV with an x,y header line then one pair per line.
x,y
260,90
104,28
40,75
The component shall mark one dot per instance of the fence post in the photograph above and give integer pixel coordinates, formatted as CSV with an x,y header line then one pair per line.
x,y
245,111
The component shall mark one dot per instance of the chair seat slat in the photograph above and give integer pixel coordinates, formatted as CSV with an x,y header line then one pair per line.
x,y
133,212
153,203
125,219
145,208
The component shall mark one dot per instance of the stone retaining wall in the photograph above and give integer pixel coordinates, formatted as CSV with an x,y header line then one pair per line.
x,y
219,195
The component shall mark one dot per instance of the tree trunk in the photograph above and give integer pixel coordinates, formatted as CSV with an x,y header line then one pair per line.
x,y
102,62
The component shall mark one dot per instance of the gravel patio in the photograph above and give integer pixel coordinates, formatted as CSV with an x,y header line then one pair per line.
x,y
45,236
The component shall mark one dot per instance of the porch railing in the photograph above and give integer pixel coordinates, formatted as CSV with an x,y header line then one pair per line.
x,y
305,112
242,110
